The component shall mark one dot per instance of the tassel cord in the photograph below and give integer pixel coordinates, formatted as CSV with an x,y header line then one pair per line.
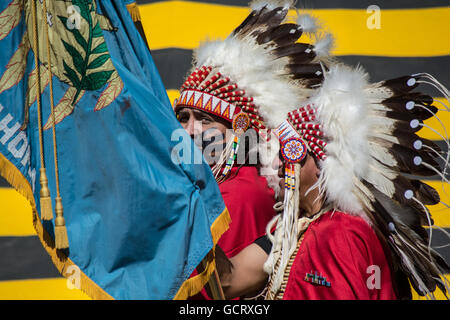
x,y
38,81
55,154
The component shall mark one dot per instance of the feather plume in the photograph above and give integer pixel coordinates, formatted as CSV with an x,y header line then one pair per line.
x,y
308,23
264,14
401,84
323,45
422,265
341,105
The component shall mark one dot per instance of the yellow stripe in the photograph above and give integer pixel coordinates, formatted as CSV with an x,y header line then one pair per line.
x,y
15,214
15,219
56,289
173,94
61,262
184,24
39,289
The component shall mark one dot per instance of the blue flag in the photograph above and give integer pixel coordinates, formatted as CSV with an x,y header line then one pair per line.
x,y
138,222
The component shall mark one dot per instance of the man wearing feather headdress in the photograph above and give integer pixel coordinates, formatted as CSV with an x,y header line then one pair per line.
x,y
238,83
353,212
350,229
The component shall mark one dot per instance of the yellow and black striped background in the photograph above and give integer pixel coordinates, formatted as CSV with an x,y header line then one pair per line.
x,y
414,37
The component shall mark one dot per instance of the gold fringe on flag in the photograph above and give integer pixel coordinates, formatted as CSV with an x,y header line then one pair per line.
x,y
189,287
16,179
133,9
195,284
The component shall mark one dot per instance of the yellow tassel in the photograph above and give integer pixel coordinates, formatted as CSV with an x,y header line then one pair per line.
x,y
16,179
134,11
61,239
45,200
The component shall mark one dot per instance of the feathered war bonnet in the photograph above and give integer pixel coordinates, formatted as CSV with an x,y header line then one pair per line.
x,y
372,161
255,76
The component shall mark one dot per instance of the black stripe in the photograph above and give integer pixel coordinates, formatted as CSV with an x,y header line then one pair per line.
x,y
174,64
382,68
25,258
3,183
332,4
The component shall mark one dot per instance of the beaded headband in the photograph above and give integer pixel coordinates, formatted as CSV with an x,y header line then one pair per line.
x,y
217,95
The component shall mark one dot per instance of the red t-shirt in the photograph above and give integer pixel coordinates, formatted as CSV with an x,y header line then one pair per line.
x,y
345,251
250,204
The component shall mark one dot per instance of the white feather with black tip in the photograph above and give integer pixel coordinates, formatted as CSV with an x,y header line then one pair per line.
x,y
308,23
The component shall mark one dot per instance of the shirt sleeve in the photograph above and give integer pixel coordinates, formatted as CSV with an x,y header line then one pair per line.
x,y
347,254
264,243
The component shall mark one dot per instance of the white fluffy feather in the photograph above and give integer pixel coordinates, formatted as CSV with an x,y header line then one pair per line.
x,y
342,109
324,44
253,68
308,23
268,152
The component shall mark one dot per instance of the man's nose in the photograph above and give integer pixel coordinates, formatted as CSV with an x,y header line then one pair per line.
x,y
193,127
